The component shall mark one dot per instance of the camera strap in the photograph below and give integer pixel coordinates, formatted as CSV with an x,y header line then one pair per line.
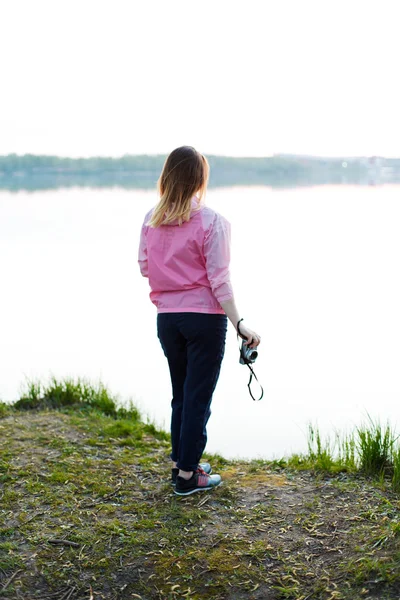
x,y
251,376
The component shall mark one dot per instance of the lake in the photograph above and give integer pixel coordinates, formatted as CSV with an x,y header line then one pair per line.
x,y
315,271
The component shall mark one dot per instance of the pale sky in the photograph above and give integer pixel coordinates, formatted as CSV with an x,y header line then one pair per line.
x,y
247,78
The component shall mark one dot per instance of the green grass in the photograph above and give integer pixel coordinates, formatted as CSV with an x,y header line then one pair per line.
x,y
326,455
371,449
375,448
77,466
77,392
396,470
5,409
320,453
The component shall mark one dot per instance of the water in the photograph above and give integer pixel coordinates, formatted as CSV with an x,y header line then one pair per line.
x,y
315,272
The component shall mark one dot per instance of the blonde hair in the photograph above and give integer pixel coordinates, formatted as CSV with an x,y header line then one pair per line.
x,y
185,173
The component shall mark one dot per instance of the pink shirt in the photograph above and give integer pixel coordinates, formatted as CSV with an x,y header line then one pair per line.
x,y
188,265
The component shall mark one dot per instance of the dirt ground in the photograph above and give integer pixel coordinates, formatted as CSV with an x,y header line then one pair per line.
x,y
89,515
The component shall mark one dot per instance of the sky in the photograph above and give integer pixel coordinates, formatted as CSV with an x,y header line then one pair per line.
x,y
107,78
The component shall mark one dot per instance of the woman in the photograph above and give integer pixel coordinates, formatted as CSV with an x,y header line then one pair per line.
x,y
184,251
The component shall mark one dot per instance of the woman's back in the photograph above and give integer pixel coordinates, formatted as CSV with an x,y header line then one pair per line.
x,y
188,264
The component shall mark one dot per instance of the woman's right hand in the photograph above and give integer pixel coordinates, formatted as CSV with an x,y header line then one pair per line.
x,y
253,339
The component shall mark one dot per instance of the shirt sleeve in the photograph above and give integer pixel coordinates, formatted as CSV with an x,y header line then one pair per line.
x,y
217,242
142,256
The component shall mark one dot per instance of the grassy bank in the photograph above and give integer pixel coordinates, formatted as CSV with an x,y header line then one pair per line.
x,y
87,511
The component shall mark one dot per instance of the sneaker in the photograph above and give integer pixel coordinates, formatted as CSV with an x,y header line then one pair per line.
x,y
199,481
205,466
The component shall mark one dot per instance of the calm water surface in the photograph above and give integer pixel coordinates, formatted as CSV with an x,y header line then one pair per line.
x,y
315,272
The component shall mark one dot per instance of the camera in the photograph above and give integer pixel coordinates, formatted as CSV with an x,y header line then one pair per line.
x,y
247,355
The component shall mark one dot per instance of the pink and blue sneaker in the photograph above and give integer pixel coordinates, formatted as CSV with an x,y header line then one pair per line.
x,y
199,481
205,466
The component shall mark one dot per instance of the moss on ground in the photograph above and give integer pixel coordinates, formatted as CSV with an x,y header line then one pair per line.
x,y
87,511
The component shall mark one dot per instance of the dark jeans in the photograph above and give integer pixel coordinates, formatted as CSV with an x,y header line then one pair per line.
x,y
194,344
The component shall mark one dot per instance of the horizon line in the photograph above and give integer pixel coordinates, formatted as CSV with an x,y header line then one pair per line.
x,y
155,155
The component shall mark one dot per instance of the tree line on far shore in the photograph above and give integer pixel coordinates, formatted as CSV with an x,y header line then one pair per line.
x,y
30,171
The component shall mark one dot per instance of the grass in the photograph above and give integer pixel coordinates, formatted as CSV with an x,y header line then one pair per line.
x,y
87,510
79,393
371,450
396,470
376,448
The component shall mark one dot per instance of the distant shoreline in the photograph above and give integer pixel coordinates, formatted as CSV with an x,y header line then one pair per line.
x,y
34,172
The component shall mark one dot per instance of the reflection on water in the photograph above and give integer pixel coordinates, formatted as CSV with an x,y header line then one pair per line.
x,y
314,270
